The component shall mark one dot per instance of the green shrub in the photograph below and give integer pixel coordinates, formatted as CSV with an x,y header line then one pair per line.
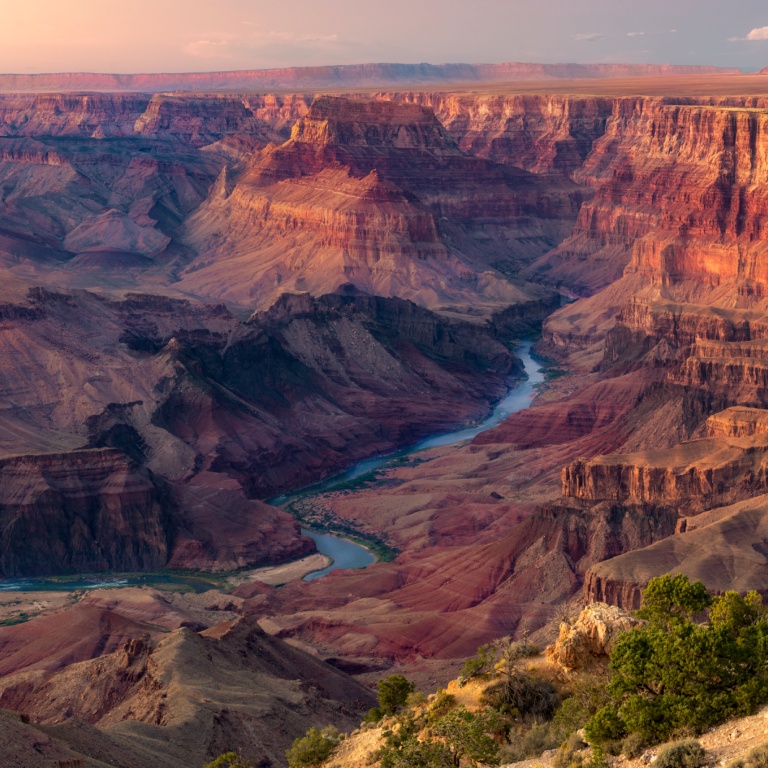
x,y
633,746
393,693
756,758
230,760
681,754
312,749
442,703
605,726
587,695
478,664
374,715
522,695
416,699
459,737
567,755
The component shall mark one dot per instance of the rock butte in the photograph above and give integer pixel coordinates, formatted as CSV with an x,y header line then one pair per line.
x,y
211,298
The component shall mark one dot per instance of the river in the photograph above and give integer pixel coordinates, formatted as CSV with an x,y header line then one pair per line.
x,y
345,554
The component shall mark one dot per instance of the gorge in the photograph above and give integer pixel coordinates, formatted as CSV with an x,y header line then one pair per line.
x,y
210,300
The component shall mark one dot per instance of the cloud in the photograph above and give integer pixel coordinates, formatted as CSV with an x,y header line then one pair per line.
x,y
589,37
652,32
757,34
257,43
208,49
292,37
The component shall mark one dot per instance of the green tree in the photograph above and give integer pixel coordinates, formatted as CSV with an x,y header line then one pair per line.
x,y
468,735
229,760
393,693
735,612
459,737
479,664
673,674
312,749
669,598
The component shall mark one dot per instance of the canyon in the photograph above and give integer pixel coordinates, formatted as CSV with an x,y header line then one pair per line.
x,y
210,299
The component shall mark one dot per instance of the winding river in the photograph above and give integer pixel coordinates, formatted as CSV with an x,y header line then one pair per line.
x,y
348,554
344,553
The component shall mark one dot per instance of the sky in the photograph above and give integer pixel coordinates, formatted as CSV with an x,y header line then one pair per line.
x,y
209,35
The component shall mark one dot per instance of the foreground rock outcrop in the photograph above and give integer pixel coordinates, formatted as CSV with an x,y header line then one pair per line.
x,y
586,641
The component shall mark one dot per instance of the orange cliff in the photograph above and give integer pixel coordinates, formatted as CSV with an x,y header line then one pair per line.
x,y
680,195
379,195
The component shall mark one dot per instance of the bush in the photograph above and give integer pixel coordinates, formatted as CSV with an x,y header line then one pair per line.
x,y
459,737
587,695
374,715
757,758
230,760
479,664
682,754
605,726
313,749
416,699
528,742
567,756
522,695
442,703
633,746
393,693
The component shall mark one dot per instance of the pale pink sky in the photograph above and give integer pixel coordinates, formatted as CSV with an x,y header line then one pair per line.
x,y
204,35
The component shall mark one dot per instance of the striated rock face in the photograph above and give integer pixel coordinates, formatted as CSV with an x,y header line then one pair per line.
x,y
376,194
352,123
679,196
542,134
724,548
687,476
85,510
587,641
96,510
738,422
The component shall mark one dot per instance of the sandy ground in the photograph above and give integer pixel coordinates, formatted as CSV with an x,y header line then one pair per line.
x,y
20,606
281,574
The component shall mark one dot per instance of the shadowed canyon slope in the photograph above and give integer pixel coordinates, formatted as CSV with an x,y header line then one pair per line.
x,y
186,698
182,407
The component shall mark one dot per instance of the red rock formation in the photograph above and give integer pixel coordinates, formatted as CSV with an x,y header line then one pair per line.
x,y
542,134
183,406
680,196
84,510
376,194
689,477
738,422
95,510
